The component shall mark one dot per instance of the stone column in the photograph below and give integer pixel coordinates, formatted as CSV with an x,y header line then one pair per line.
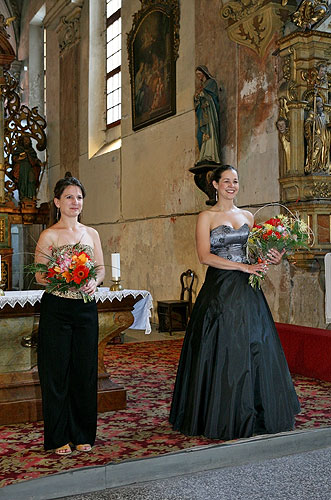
x,y
69,37
64,18
36,68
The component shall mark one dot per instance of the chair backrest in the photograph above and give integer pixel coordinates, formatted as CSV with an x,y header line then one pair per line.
x,y
186,281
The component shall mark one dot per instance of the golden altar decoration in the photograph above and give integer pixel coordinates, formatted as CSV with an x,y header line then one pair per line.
x,y
304,132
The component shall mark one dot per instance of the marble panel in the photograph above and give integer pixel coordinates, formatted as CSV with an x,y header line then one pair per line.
x,y
13,356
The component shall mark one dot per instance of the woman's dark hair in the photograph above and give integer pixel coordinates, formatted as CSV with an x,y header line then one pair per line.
x,y
217,173
68,180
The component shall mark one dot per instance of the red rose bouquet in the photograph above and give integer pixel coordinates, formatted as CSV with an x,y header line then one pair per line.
x,y
281,232
67,270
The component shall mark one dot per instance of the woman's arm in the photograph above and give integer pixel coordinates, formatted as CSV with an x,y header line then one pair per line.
x,y
209,259
92,284
43,254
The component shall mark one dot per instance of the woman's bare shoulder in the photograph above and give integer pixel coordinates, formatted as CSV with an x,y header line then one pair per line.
x,y
93,233
248,215
48,235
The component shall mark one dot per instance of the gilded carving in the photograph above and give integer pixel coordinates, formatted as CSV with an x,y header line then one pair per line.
x,y
20,122
4,23
321,190
253,23
309,13
2,230
287,68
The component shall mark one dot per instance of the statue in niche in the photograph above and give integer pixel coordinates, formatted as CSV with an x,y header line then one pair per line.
x,y
26,169
317,134
283,128
207,108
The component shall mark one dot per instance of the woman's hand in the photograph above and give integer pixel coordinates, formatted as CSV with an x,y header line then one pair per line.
x,y
41,279
90,287
274,257
258,269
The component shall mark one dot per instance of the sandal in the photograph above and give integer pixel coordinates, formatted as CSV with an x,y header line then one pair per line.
x,y
83,447
63,450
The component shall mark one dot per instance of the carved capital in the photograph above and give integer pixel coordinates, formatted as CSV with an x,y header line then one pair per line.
x,y
254,23
68,30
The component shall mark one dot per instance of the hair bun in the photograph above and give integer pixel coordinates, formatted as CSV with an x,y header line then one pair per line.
x,y
67,174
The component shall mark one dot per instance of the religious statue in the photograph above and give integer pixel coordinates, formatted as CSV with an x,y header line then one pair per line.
x,y
26,169
207,108
282,125
317,134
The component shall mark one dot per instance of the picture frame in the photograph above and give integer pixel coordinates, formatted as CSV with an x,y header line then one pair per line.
x,y
153,44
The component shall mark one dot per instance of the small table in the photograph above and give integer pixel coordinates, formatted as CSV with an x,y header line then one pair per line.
x,y
20,396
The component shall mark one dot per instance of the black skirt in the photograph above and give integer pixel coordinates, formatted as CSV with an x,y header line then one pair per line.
x,y
233,380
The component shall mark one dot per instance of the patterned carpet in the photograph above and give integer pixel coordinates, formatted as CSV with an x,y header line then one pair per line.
x,y
147,370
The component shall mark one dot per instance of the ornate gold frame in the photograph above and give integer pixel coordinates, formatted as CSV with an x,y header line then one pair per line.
x,y
152,61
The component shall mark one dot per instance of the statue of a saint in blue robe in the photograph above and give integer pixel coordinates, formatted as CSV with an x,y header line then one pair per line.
x,y
207,108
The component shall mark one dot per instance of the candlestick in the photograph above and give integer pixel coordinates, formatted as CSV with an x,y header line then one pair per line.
x,y
115,266
116,286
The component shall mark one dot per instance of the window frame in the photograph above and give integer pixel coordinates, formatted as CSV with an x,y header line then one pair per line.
x,y
109,21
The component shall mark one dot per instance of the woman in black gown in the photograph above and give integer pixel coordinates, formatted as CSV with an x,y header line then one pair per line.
x,y
233,380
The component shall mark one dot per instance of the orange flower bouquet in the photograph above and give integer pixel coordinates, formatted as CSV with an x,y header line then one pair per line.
x,y
68,270
281,232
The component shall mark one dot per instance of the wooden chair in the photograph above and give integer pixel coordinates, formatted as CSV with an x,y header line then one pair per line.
x,y
174,314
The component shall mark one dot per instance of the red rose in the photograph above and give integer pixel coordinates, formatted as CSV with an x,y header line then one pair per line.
x,y
80,273
277,234
265,236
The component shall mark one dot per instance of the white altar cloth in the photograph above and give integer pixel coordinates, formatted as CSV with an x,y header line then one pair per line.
x,y
141,311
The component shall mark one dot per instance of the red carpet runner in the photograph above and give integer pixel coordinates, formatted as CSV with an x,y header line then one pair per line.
x,y
147,370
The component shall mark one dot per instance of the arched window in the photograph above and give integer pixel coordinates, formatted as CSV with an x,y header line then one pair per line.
x,y
113,61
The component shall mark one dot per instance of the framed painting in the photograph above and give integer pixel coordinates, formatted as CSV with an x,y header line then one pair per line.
x,y
153,49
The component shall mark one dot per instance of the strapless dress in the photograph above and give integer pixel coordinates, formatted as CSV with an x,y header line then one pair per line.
x,y
233,380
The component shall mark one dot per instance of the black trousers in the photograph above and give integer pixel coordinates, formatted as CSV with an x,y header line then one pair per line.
x,y
68,370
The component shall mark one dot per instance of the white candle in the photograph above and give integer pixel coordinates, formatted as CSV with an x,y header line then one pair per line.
x,y
115,266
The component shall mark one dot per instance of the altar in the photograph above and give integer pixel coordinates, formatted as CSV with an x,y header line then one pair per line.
x,y
20,398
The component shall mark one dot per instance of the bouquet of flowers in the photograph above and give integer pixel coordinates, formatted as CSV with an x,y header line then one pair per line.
x,y
281,232
67,270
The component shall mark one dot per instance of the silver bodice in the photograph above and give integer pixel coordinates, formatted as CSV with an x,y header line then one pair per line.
x,y
230,243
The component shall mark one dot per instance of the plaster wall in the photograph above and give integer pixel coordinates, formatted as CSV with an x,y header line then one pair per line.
x,y
141,198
